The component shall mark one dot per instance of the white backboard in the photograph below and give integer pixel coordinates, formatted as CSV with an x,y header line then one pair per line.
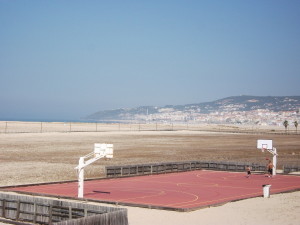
x,y
105,150
109,151
265,144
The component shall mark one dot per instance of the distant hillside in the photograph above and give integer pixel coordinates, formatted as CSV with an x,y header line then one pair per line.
x,y
248,103
190,111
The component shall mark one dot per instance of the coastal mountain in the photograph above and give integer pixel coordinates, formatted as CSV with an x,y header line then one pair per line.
x,y
221,108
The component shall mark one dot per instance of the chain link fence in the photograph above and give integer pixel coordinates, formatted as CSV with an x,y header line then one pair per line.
x,y
48,127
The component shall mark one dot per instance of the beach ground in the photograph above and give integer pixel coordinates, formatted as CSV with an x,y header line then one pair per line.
x,y
52,156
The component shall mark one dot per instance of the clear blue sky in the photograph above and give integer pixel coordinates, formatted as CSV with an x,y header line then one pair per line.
x,y
64,59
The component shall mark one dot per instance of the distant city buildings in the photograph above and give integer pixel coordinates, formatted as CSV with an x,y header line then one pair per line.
x,y
229,116
243,110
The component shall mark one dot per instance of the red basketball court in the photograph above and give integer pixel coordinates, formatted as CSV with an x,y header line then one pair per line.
x,y
175,191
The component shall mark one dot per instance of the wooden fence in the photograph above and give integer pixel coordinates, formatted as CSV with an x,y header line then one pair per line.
x,y
291,169
157,168
39,210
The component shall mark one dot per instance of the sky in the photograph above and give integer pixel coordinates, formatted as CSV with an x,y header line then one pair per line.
x,y
67,59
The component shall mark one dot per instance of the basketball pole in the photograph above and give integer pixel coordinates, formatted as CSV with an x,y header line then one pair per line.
x,y
80,177
274,153
274,161
268,145
100,151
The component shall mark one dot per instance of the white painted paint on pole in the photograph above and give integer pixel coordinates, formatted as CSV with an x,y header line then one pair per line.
x,y
274,161
80,177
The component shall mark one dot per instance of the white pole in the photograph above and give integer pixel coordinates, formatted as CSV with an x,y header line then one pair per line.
x,y
274,161
80,177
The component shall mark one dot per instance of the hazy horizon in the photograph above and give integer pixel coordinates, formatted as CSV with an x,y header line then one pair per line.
x,y
64,60
84,118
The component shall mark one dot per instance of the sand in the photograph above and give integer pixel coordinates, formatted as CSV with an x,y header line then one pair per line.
x,y
277,210
51,156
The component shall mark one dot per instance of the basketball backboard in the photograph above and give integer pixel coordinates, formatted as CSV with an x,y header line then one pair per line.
x,y
104,150
109,151
265,144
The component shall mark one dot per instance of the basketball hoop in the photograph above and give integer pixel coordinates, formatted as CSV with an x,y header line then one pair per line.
x,y
100,151
264,147
267,145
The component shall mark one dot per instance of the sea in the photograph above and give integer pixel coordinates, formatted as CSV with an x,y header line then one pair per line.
x,y
61,120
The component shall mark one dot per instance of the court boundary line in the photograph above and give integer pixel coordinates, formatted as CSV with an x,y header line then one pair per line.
x,y
141,205
147,206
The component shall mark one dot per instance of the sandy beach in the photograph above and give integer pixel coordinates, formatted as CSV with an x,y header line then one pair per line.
x,y
51,156
277,210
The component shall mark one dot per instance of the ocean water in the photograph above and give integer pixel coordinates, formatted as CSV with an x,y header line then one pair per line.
x,y
62,120
48,120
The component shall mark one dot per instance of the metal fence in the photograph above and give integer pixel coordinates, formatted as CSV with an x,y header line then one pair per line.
x,y
46,127
38,210
158,168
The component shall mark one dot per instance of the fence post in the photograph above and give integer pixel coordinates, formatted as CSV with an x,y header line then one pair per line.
x,y
18,210
6,127
34,212
50,215
3,208
41,127
70,212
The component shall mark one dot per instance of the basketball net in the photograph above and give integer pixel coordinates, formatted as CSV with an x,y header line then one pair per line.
x,y
263,150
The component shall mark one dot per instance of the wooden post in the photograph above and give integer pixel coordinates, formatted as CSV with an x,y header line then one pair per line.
x,y
18,210
34,212
6,127
50,215
3,208
70,212
41,127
